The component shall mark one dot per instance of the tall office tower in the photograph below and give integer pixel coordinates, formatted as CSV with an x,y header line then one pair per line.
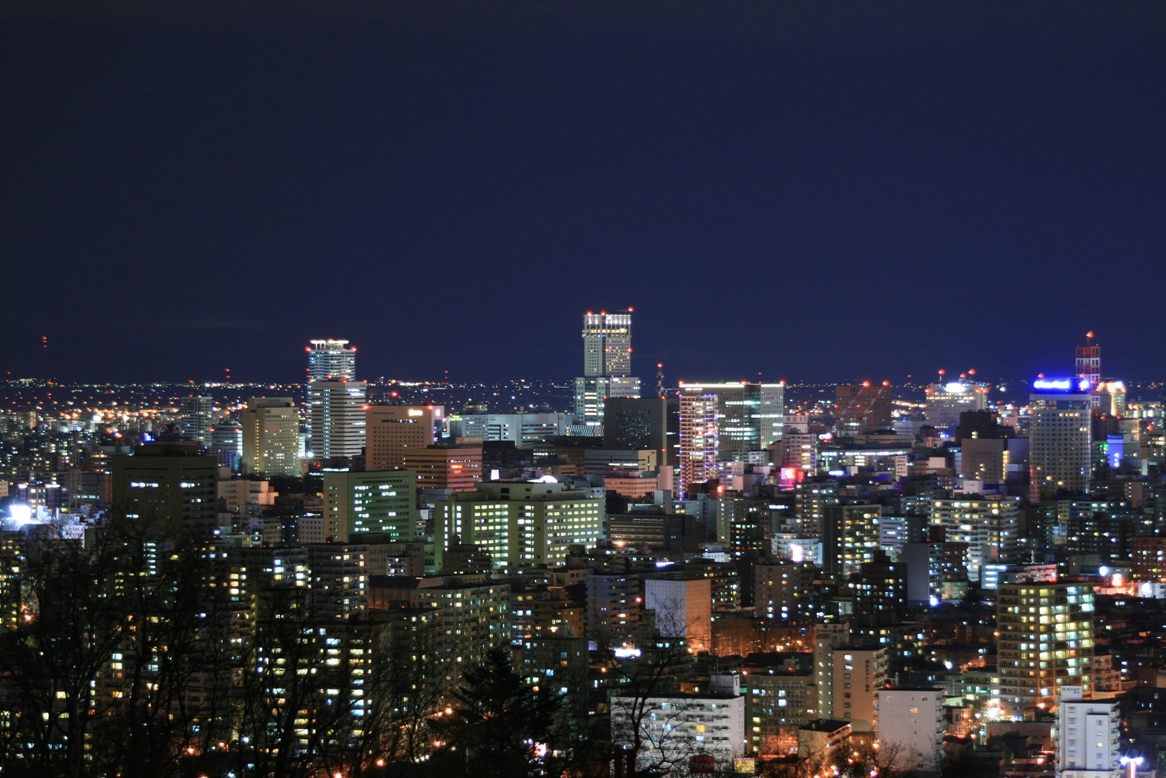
x,y
730,422
1045,643
380,502
337,415
799,450
859,672
168,482
196,418
607,344
699,440
1087,736
945,402
339,575
271,437
1060,438
331,360
393,428
989,524
862,408
521,524
607,367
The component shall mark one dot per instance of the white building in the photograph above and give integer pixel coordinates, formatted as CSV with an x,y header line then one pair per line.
x,y
1087,736
196,416
607,367
675,727
523,429
331,360
911,726
338,420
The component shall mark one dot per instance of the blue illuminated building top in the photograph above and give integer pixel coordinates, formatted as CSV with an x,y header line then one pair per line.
x,y
1060,385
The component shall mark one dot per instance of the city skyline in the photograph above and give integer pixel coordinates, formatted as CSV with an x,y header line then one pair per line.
x,y
876,191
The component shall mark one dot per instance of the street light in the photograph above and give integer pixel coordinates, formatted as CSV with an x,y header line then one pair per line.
x,y
1133,762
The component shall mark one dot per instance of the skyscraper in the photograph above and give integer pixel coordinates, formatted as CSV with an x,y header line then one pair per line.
x,y
337,417
196,418
731,422
607,366
271,437
331,360
607,344
1060,438
636,423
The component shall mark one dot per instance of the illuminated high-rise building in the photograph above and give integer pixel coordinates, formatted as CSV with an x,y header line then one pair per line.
x,y
196,417
607,344
730,422
331,360
607,367
227,442
1060,453
337,415
1045,643
271,437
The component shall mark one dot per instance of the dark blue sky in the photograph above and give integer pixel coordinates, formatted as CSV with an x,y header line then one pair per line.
x,y
810,190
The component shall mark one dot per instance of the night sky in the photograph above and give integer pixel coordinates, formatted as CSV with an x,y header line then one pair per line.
x,y
812,191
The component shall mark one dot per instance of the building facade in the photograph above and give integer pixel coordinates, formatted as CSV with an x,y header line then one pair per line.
x,y
1045,642
381,502
1060,451
271,437
337,415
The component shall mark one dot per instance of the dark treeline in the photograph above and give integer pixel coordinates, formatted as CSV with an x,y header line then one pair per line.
x,y
131,652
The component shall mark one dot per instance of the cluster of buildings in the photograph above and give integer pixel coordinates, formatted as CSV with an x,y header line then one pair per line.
x,y
730,583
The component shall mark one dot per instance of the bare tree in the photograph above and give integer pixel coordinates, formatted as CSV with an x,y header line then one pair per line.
x,y
52,661
641,745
